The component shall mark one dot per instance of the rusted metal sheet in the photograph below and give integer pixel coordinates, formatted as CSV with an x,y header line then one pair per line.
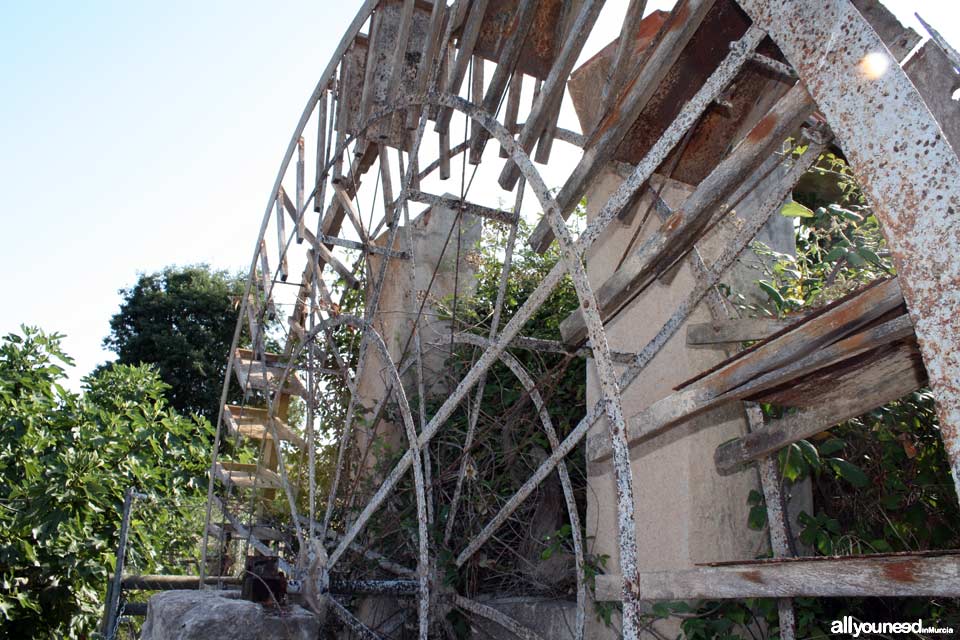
x,y
607,135
904,164
720,128
543,42
588,80
909,574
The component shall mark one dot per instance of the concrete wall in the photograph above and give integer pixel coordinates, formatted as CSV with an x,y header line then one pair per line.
x,y
432,238
685,512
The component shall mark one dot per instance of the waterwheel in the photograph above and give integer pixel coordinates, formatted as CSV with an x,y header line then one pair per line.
x,y
416,144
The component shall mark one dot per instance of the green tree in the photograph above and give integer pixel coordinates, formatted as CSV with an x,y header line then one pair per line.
x,y
181,320
65,462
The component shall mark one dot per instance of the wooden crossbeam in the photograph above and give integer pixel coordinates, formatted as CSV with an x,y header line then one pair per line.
x,y
369,248
894,575
252,423
450,202
724,332
265,374
246,476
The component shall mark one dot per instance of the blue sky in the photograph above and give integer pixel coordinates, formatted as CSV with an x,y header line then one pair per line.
x,y
139,134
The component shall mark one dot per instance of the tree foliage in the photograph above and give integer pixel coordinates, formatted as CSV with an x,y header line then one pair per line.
x,y
65,461
181,320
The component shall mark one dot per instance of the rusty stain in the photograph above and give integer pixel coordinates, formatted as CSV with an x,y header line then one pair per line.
x,y
902,571
753,576
763,128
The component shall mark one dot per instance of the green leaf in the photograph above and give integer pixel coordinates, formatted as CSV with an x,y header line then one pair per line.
x,y
871,257
849,472
854,259
791,462
795,210
810,454
835,254
831,446
772,292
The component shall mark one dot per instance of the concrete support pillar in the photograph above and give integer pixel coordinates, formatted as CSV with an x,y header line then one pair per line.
x,y
686,513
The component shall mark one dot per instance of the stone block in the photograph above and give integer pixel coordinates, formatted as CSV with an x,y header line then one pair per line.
x,y
215,615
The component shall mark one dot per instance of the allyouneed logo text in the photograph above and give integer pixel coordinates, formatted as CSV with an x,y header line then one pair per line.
x,y
856,628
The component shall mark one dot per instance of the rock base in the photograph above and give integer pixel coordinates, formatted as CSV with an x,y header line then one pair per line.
x,y
209,615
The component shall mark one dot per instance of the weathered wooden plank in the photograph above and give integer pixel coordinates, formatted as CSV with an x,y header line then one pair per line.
x,y
549,133
476,92
933,74
250,422
622,61
498,617
300,189
897,575
681,230
451,202
386,184
265,373
369,72
432,48
323,153
847,397
553,86
468,40
731,331
694,400
900,40
516,35
246,534
346,203
683,22
815,344
246,476
513,107
282,269
445,154
399,53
